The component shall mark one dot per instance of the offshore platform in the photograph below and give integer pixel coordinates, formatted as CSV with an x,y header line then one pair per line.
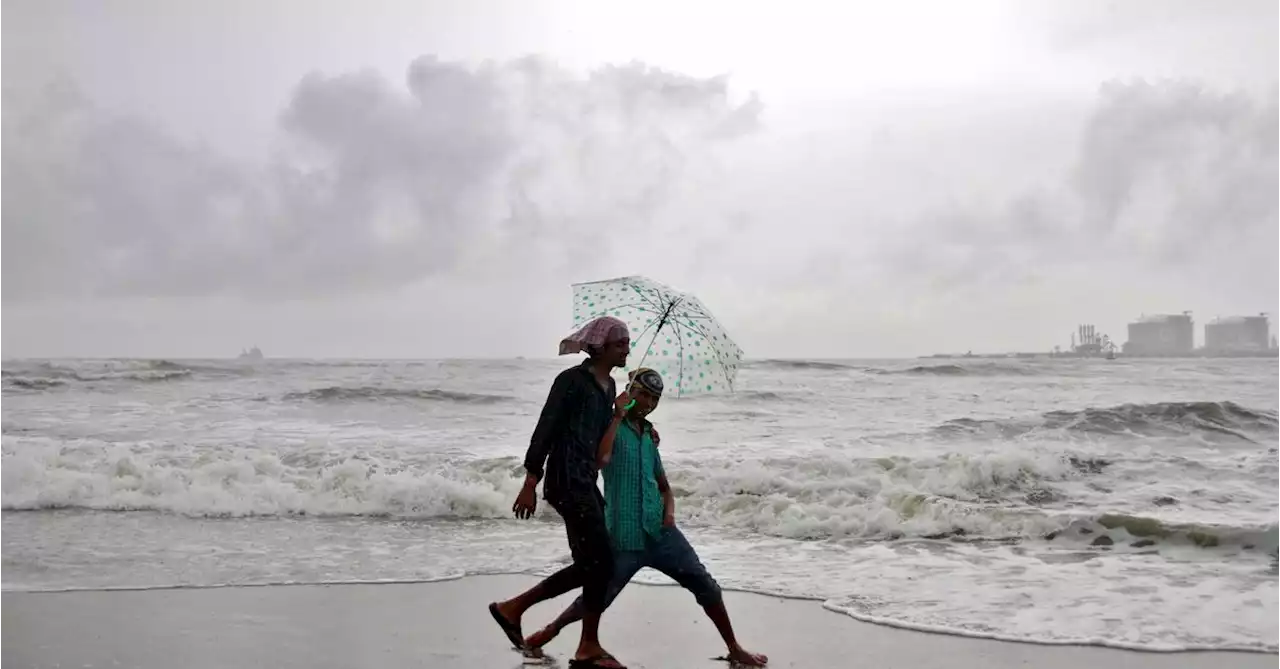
x,y
1086,342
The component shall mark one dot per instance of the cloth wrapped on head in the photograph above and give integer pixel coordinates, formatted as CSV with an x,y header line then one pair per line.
x,y
596,333
648,379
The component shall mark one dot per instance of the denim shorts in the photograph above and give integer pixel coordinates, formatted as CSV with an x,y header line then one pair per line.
x,y
671,554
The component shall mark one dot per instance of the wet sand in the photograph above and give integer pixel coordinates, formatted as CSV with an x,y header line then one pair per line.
x,y
446,625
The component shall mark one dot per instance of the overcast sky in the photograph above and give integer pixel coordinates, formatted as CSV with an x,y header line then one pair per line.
x,y
425,179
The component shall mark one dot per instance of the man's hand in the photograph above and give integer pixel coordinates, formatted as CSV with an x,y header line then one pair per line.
x,y
620,404
669,519
526,501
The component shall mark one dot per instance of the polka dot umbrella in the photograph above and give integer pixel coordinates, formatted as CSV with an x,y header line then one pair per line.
x,y
673,332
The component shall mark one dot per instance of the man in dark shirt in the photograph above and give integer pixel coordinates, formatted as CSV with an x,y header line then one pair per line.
x,y
574,419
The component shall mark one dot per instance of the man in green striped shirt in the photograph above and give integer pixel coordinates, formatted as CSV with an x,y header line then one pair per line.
x,y
640,516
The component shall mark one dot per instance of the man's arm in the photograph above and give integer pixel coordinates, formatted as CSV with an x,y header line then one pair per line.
x,y
668,499
604,452
547,430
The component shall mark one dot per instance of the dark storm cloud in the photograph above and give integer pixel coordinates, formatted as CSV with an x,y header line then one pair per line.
x,y
379,185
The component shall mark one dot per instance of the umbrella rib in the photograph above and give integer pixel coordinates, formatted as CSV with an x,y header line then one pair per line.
x,y
680,369
724,371
660,321
635,287
656,304
641,335
637,307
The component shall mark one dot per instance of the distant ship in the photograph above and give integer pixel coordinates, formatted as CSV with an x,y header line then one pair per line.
x,y
254,353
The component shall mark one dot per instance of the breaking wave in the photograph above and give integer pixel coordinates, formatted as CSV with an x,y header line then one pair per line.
x,y
43,376
973,369
372,393
237,484
799,364
957,497
944,370
1124,530
1216,419
22,383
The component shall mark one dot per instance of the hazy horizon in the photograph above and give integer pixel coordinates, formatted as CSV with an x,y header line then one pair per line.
x,y
425,181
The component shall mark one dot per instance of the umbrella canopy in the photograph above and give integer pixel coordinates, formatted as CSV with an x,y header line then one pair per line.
x,y
673,332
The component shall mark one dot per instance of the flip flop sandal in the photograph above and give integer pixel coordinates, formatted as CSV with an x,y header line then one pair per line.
x,y
594,662
734,663
512,630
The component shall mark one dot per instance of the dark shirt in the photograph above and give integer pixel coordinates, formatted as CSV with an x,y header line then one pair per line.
x,y
573,421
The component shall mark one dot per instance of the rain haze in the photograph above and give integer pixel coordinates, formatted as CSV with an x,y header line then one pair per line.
x,y
425,179
902,285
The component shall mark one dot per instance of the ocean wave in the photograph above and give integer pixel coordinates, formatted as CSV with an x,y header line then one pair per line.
x,y
806,498
960,497
238,484
799,364
374,393
29,376
1214,419
1135,531
963,497
752,397
26,384
969,369
944,370
881,498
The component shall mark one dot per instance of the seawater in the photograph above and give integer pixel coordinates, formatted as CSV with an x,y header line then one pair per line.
x,y
1129,503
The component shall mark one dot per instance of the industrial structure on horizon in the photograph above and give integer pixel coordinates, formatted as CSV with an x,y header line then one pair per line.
x,y
1162,334
1086,342
1238,334
1173,335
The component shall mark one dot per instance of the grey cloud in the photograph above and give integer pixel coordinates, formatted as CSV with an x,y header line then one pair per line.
x,y
1085,23
1166,175
1214,154
379,185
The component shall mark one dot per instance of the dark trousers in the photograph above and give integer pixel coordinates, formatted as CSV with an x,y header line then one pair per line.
x,y
592,566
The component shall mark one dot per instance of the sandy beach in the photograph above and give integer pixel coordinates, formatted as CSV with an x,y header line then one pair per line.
x,y
445,624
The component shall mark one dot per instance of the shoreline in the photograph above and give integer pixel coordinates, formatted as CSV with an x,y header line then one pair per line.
x,y
305,624
877,621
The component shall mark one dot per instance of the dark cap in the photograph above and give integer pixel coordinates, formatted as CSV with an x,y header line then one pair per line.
x,y
648,379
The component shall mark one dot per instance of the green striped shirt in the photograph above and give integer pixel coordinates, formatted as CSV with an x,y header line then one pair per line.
x,y
633,504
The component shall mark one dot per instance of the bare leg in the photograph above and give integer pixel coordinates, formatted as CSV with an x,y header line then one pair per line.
x,y
589,643
580,523
594,566
549,588
625,566
677,559
572,614
718,615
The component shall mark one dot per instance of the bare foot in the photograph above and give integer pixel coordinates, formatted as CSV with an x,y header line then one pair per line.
x,y
510,626
742,657
599,656
508,611
541,638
